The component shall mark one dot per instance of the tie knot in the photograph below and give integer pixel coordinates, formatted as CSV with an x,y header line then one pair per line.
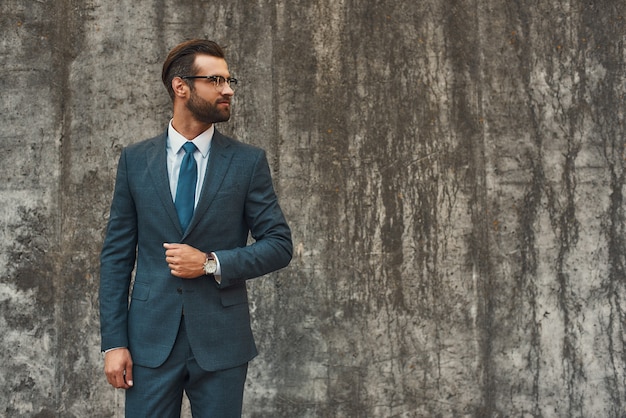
x,y
189,147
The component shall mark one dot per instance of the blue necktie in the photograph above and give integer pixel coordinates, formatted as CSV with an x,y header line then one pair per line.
x,y
186,189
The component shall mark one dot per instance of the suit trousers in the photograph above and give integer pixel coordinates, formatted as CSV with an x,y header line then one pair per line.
x,y
158,392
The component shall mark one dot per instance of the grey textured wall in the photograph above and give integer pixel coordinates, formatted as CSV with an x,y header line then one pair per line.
x,y
454,173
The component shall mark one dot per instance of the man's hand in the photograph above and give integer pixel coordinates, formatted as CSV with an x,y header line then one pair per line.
x,y
184,261
118,367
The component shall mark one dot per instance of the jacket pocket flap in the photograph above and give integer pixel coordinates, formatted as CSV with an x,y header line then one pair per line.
x,y
234,295
141,291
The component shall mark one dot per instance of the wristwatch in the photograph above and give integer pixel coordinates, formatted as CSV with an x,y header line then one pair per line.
x,y
210,265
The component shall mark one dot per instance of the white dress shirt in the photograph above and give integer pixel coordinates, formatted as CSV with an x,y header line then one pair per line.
x,y
175,154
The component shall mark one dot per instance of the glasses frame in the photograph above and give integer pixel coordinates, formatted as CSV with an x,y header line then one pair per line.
x,y
218,81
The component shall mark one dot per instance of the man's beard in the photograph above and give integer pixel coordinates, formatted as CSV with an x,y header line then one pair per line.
x,y
206,112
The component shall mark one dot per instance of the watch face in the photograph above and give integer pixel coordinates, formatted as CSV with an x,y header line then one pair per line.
x,y
210,266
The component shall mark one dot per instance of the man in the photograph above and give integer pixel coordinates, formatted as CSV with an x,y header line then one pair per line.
x,y
180,218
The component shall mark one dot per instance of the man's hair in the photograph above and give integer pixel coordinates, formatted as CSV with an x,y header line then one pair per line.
x,y
180,60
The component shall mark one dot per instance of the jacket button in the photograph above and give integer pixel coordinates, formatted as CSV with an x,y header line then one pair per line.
x,y
180,290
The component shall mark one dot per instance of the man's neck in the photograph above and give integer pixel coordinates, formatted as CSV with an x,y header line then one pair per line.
x,y
189,128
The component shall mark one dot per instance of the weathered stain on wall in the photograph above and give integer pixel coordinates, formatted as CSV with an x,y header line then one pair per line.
x,y
454,175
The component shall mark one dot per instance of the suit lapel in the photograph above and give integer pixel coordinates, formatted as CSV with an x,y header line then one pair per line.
x,y
157,166
219,160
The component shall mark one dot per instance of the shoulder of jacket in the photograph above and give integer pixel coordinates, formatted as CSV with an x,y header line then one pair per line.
x,y
238,146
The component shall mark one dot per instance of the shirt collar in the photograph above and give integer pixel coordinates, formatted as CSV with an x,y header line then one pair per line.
x,y
202,141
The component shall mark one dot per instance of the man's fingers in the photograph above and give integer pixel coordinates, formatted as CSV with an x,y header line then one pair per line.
x,y
128,377
172,247
119,381
116,379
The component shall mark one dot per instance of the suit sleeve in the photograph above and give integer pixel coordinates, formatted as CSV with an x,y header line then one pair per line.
x,y
117,261
272,247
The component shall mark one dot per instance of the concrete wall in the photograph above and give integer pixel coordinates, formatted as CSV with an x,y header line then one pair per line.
x,y
453,171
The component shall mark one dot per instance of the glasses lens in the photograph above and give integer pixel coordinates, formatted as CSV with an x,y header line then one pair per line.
x,y
219,82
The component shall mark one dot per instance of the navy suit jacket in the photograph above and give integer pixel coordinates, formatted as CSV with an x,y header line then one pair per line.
x,y
237,201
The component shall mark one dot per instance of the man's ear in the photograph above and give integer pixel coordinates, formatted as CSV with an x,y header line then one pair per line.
x,y
180,87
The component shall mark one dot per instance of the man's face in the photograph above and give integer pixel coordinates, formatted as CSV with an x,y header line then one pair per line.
x,y
207,103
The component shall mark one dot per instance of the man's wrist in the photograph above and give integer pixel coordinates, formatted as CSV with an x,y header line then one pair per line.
x,y
112,349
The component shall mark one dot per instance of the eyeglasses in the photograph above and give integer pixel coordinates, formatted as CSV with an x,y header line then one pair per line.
x,y
217,80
